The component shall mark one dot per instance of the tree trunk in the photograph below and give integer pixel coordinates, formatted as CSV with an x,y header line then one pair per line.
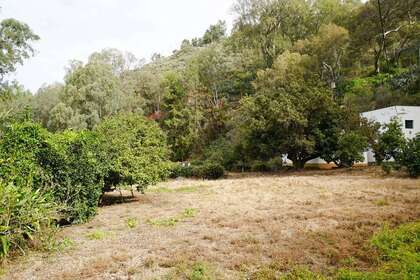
x,y
298,164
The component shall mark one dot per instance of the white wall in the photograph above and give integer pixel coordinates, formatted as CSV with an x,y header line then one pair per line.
x,y
403,113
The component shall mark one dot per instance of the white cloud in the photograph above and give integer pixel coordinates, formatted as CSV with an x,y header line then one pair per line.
x,y
73,29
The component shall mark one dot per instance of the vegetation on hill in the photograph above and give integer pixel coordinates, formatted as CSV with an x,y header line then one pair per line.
x,y
290,78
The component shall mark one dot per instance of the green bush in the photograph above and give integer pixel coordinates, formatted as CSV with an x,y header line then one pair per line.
x,y
78,172
390,143
21,147
70,166
209,170
136,149
260,166
26,217
399,253
178,170
410,158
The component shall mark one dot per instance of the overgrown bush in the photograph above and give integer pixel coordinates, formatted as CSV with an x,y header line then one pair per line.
x,y
136,149
209,170
26,217
79,173
390,143
410,158
23,147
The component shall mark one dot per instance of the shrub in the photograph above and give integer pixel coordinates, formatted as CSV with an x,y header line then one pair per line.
x,y
69,165
260,166
350,148
136,149
410,158
209,170
399,254
21,147
390,143
79,173
178,170
26,216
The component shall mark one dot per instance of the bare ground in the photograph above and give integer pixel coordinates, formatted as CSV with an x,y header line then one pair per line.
x,y
233,225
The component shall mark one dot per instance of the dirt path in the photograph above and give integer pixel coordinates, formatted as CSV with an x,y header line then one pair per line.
x,y
231,225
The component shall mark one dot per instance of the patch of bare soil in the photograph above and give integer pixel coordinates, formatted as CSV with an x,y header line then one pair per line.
x,y
233,225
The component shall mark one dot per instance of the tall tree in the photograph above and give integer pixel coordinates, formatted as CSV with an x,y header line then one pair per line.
x,y
15,45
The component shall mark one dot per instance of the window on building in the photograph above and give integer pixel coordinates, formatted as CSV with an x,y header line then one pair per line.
x,y
409,124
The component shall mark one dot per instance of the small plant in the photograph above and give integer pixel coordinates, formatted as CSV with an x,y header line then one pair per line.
x,y
189,213
200,271
168,222
64,244
382,202
97,235
132,222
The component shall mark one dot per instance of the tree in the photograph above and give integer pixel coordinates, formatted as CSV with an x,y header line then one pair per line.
x,y
411,157
391,142
15,45
179,120
214,33
328,47
136,149
290,112
386,28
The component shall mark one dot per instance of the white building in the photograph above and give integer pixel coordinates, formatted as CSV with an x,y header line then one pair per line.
x,y
408,116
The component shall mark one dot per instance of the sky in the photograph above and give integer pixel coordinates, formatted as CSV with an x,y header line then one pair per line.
x,y
73,29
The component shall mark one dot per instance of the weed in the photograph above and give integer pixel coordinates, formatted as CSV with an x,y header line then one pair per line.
x,y
382,202
168,222
172,221
96,235
194,271
131,223
189,213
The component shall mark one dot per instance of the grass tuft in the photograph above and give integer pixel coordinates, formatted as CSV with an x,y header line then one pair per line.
x,y
97,235
131,223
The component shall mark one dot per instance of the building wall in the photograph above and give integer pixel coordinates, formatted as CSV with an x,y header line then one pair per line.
x,y
402,114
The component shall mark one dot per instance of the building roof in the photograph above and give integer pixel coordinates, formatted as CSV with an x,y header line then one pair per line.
x,y
398,109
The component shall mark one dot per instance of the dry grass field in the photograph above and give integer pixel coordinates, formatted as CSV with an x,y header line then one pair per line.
x,y
231,228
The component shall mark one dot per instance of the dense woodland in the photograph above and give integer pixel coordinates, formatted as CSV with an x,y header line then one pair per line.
x,y
290,78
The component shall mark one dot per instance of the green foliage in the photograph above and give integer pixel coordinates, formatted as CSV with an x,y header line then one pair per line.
x,y
69,165
390,143
208,170
410,158
79,171
132,223
15,39
204,170
399,254
179,120
26,217
136,151
23,147
167,222
97,235
351,146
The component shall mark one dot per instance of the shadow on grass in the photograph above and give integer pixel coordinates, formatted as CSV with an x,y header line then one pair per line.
x,y
113,198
